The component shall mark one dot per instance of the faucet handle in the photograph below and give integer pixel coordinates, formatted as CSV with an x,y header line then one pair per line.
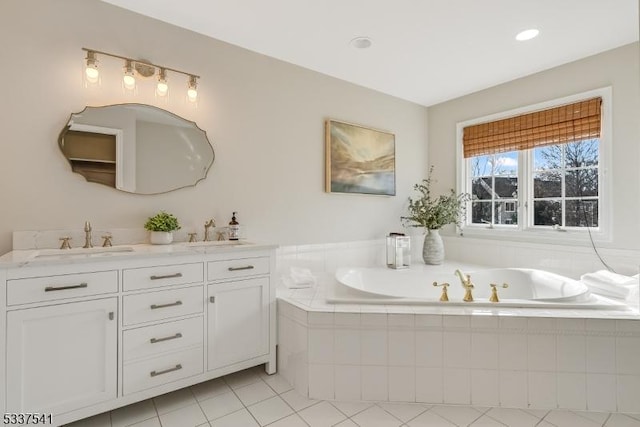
x,y
444,296
107,240
193,237
494,291
65,243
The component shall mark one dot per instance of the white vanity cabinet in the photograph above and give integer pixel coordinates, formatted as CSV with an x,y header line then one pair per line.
x,y
62,357
86,336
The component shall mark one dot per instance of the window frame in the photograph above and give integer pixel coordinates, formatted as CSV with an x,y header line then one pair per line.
x,y
525,229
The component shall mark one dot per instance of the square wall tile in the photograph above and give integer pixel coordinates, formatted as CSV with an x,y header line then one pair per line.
x,y
347,382
541,352
402,348
484,322
628,355
402,384
512,351
401,320
514,389
455,322
484,350
457,386
572,391
601,392
601,355
543,390
571,353
485,387
373,347
456,349
375,383
321,345
321,384
428,320
347,319
346,346
429,348
513,323
429,385
628,393
373,319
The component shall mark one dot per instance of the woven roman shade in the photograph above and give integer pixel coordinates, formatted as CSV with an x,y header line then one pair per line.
x,y
558,125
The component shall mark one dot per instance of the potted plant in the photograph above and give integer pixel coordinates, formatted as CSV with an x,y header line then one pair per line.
x,y
161,227
432,213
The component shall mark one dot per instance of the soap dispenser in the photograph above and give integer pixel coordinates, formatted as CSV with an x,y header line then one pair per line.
x,y
234,228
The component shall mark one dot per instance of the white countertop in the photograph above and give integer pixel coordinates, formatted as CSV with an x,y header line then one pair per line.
x,y
43,257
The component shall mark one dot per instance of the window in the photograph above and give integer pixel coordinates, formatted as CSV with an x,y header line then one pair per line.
x,y
539,170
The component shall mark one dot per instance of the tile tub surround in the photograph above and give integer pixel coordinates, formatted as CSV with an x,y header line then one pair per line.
x,y
501,361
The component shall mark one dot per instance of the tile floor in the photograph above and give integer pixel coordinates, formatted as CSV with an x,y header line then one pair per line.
x,y
251,398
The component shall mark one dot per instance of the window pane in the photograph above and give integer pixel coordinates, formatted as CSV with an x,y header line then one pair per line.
x,y
506,164
481,212
581,182
547,184
582,153
505,212
481,165
547,212
506,186
582,213
549,157
481,188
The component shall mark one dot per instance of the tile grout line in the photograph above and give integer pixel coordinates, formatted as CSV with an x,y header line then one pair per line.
x,y
240,400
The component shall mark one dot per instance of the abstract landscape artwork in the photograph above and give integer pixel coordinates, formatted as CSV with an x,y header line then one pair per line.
x,y
359,159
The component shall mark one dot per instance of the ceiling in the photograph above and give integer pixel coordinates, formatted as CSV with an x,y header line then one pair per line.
x,y
425,51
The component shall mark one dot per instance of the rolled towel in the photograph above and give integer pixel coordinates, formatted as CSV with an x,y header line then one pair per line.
x,y
299,278
606,283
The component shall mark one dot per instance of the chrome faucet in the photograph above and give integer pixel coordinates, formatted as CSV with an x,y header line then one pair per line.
x,y
207,226
87,235
465,280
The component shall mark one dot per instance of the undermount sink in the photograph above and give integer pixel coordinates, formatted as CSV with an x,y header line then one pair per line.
x,y
214,243
90,252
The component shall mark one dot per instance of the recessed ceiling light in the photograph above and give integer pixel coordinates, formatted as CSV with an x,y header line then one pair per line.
x,y
527,34
361,42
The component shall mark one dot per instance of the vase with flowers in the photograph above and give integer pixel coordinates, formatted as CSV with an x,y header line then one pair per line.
x,y
432,213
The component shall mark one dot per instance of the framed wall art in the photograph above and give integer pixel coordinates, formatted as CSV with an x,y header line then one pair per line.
x,y
359,159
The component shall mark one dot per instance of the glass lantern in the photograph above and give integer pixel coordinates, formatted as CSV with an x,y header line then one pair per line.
x,y
398,251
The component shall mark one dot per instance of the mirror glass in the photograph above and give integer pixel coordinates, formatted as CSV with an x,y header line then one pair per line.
x,y
136,148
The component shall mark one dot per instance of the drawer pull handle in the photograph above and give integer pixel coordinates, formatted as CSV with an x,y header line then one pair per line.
x,y
64,288
166,276
248,267
172,337
171,304
166,371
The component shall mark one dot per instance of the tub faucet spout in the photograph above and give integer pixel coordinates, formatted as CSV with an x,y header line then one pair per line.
x,y
465,280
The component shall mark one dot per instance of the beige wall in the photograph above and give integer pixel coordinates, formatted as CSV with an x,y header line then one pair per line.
x,y
618,68
264,117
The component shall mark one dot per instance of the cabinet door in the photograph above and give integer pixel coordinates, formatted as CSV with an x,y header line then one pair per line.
x,y
238,321
61,357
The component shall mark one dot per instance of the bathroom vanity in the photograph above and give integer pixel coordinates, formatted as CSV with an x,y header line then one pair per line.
x,y
91,330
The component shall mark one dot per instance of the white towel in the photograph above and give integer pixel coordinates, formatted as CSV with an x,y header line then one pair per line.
x,y
299,278
610,284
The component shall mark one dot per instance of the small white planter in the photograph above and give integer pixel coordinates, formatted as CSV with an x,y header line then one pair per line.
x,y
161,237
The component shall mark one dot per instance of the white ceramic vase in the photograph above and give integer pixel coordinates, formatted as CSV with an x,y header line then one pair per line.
x,y
161,237
433,249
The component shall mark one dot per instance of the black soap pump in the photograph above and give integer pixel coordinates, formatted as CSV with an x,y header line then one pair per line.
x,y
234,228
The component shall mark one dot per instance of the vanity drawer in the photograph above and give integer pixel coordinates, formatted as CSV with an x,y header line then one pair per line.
x,y
242,267
49,288
162,275
153,340
161,370
160,305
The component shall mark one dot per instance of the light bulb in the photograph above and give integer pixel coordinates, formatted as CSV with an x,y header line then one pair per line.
x,y
162,87
129,79
192,91
91,71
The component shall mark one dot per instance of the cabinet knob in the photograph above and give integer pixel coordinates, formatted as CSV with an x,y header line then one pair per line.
x,y
111,315
212,300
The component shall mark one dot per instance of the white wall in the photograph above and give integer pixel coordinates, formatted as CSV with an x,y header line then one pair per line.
x,y
263,116
618,68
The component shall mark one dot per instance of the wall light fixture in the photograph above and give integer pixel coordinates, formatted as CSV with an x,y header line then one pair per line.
x,y
134,67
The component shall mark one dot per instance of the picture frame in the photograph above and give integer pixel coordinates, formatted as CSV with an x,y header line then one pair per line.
x,y
359,159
